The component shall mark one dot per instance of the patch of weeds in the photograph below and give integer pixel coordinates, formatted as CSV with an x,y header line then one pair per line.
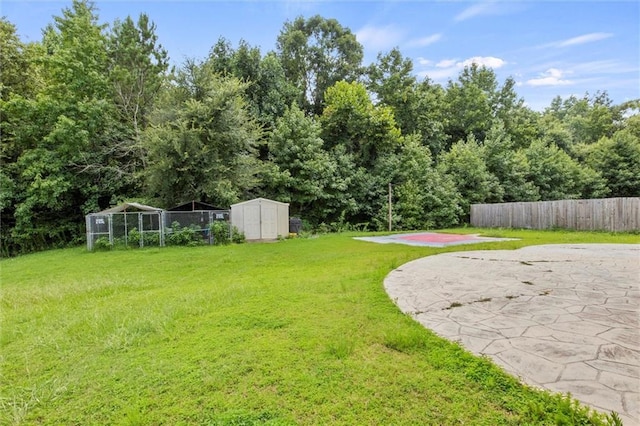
x,y
483,300
544,293
394,264
493,233
102,244
405,340
454,305
484,372
255,322
133,417
512,297
522,262
340,347
237,237
527,282
245,418
570,412
613,419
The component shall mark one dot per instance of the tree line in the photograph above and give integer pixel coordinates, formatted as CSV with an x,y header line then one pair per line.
x,y
93,115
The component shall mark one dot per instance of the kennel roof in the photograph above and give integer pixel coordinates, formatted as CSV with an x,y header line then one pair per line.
x,y
125,207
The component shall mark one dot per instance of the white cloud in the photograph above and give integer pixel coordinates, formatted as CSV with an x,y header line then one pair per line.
x,y
439,74
424,41
574,41
424,62
554,72
379,38
491,8
605,67
387,37
446,63
551,77
487,61
449,68
586,38
474,10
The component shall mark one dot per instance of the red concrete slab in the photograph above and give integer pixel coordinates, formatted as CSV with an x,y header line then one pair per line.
x,y
431,239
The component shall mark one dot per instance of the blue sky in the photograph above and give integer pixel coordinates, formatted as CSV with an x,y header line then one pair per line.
x,y
549,47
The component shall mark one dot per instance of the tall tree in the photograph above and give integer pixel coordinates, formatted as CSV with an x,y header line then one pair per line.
x,y
351,120
77,56
466,165
363,134
268,91
315,54
137,67
392,81
572,121
275,92
557,176
309,178
476,98
430,117
617,159
242,63
58,136
469,103
422,196
202,140
17,81
17,68
507,164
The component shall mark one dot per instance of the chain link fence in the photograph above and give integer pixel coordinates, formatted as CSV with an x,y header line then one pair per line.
x,y
148,229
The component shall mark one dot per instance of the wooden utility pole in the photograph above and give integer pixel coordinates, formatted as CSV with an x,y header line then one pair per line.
x,y
390,220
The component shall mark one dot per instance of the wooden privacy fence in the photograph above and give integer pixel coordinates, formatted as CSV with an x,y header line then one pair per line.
x,y
607,214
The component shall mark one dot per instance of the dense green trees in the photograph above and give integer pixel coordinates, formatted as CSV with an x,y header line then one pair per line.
x,y
66,148
91,115
617,160
306,175
57,135
202,140
316,53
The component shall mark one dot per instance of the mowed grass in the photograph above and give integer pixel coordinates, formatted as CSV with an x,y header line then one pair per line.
x,y
294,332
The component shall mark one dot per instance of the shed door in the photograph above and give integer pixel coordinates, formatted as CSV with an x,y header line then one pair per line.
x,y
252,221
269,221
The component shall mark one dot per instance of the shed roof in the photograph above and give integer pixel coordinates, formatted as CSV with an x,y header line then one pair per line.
x,y
259,200
131,206
193,206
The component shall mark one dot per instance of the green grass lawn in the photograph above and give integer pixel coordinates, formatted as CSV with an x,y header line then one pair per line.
x,y
294,332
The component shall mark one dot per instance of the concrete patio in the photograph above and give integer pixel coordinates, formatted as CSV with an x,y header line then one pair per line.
x,y
561,317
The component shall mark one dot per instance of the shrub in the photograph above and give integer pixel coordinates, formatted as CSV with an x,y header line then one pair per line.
x,y
134,238
220,233
101,243
237,237
183,236
151,239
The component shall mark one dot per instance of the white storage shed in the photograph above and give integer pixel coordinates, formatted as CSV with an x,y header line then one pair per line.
x,y
261,219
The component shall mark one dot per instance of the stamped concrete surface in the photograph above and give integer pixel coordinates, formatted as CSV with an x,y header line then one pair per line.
x,y
561,317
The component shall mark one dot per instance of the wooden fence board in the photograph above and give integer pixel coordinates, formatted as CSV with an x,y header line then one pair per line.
x,y
607,214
